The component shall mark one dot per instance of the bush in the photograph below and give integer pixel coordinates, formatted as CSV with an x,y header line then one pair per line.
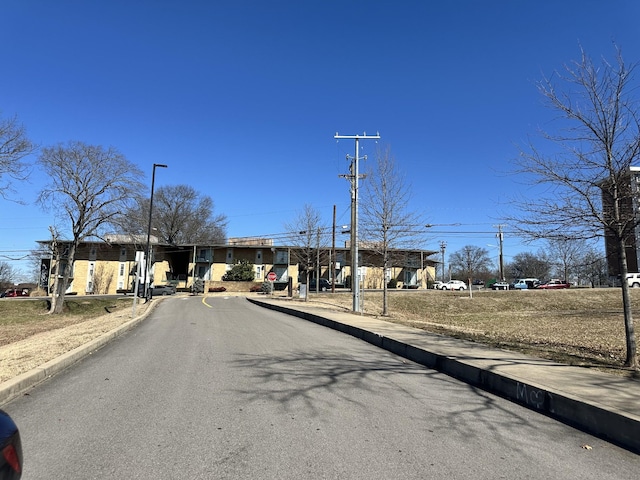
x,y
242,271
217,289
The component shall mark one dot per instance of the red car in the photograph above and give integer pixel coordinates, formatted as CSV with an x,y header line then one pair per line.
x,y
16,292
554,285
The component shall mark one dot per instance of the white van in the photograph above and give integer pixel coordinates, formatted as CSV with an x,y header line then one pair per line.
x,y
633,280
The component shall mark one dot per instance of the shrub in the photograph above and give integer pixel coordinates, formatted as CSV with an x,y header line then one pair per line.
x,y
242,271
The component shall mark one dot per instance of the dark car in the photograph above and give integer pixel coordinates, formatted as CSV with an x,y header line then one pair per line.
x,y
10,447
163,290
323,286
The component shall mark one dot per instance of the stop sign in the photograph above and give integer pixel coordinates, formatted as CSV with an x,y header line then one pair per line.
x,y
272,277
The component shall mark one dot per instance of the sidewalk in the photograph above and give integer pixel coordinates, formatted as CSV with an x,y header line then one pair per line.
x,y
601,404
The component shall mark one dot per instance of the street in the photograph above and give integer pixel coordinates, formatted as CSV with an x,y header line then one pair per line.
x,y
219,388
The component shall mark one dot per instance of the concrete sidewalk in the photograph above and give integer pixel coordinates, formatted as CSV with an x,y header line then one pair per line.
x,y
601,404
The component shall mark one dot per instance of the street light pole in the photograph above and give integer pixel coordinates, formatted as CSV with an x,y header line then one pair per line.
x,y
147,252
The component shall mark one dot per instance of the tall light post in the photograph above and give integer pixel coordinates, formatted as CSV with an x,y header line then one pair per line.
x,y
147,252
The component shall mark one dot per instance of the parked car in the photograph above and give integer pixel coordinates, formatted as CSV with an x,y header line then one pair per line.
x,y
11,448
437,285
525,283
163,290
633,280
16,292
554,284
500,286
454,285
324,285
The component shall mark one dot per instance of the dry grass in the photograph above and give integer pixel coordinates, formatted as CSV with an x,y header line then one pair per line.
x,y
29,337
578,326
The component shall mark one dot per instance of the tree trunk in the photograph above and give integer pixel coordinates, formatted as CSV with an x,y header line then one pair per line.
x,y
632,360
306,294
385,305
62,283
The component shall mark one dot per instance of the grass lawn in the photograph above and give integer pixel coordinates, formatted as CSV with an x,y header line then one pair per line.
x,y
575,326
21,318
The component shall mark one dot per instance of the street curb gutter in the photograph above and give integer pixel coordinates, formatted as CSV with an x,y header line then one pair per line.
x,y
20,384
615,426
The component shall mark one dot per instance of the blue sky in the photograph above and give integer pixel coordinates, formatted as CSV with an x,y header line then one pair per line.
x,y
242,99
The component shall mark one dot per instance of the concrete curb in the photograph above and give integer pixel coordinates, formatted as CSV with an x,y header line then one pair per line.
x,y
20,384
606,422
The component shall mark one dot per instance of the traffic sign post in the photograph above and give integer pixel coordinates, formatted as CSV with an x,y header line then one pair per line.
x,y
272,277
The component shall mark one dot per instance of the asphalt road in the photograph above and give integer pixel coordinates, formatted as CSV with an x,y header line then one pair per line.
x,y
229,390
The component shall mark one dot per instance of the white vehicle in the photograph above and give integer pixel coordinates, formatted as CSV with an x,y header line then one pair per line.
x,y
633,280
454,285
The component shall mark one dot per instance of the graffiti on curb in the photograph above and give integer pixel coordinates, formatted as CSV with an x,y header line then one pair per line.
x,y
531,397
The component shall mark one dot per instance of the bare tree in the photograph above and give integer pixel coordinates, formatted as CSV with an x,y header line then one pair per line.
x,y
7,275
566,254
102,279
387,222
586,171
593,267
307,234
181,215
527,264
470,261
14,146
89,188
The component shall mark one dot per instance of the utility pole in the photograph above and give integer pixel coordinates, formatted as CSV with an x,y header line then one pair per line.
x,y
332,263
443,247
500,236
353,177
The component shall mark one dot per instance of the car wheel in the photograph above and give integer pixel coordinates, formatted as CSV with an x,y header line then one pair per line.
x,y
165,293
635,285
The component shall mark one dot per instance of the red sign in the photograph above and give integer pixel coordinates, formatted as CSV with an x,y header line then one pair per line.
x,y
272,277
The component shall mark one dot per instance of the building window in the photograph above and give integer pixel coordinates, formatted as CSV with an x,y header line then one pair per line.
x,y
281,257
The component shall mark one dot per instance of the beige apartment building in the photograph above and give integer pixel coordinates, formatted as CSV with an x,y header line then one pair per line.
x,y
110,268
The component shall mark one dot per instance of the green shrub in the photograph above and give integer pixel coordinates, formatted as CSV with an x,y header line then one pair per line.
x,y
242,271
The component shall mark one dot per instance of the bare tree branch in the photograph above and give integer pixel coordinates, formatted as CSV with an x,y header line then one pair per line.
x,y
14,146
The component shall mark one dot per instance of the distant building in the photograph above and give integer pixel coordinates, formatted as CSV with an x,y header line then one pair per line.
x,y
109,268
631,205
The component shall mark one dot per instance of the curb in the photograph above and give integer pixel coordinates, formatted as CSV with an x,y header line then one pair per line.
x,y
18,385
610,424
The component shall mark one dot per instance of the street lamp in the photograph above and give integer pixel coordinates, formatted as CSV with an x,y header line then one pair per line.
x,y
147,252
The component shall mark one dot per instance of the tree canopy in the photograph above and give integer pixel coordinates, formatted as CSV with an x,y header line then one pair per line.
x,y
181,215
